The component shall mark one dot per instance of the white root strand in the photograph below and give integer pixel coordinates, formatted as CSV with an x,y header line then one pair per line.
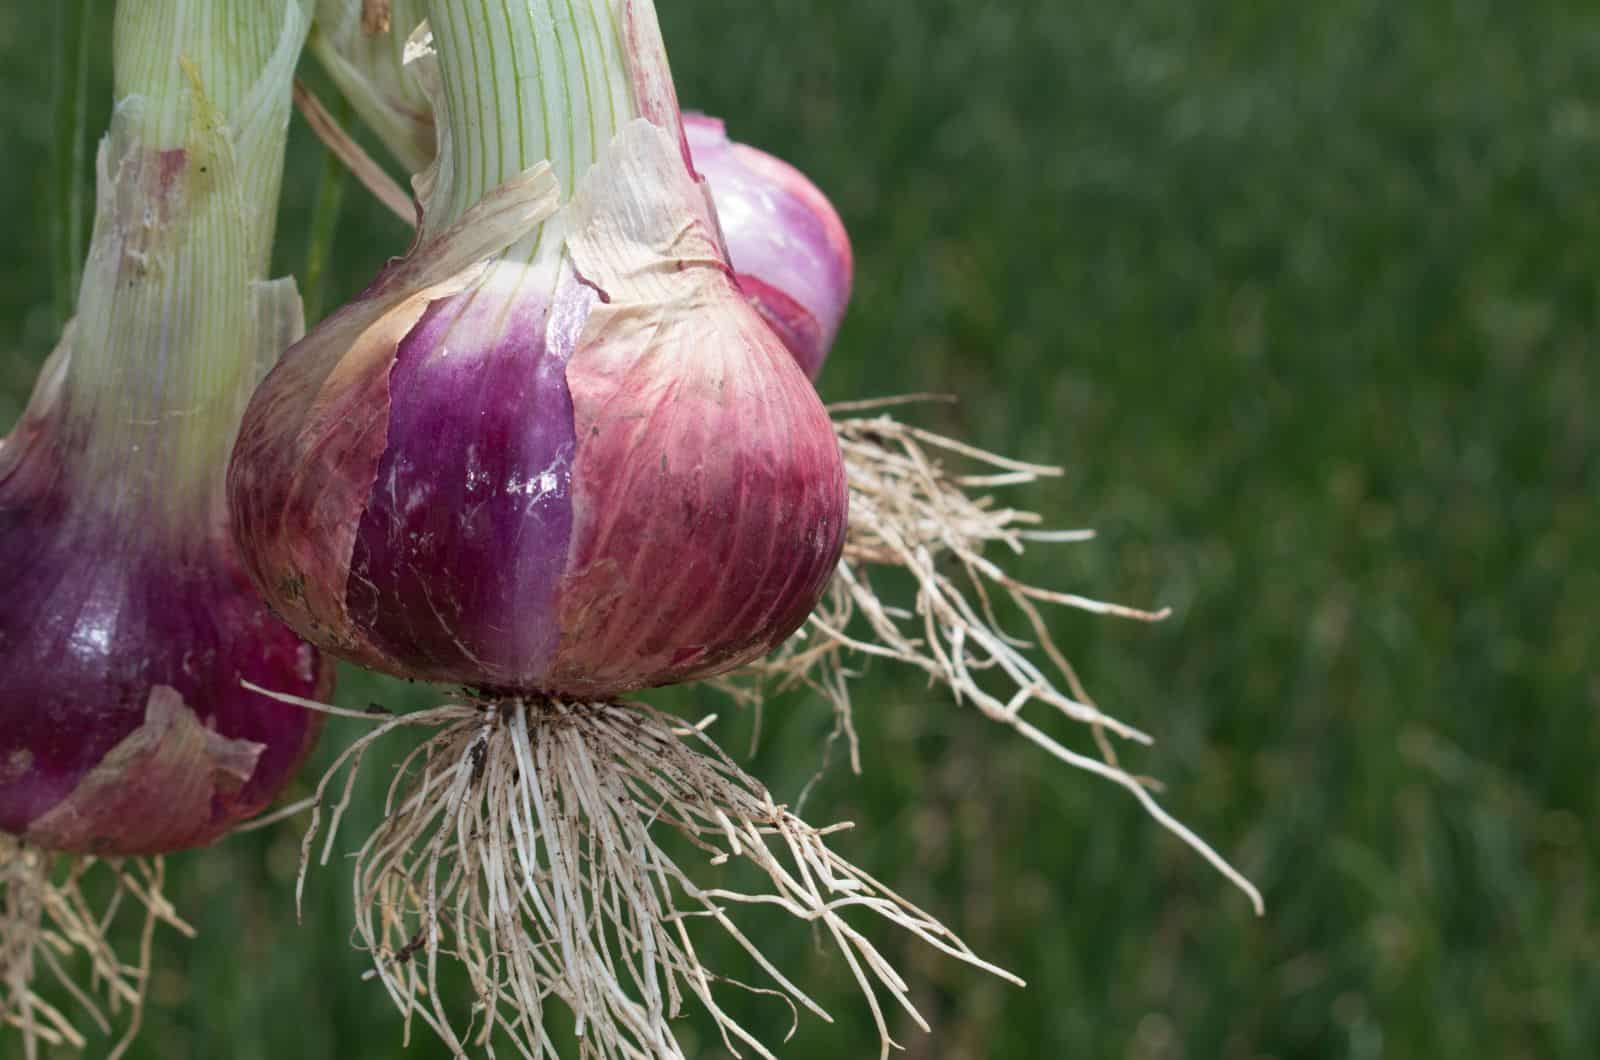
x,y
48,924
541,845
908,512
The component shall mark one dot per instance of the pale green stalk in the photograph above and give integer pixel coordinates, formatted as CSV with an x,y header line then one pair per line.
x,y
173,316
524,81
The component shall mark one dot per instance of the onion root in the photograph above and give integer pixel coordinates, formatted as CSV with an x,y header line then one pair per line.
x,y
57,913
560,851
909,511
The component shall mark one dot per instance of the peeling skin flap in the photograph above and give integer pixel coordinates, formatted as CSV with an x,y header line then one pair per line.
x,y
165,775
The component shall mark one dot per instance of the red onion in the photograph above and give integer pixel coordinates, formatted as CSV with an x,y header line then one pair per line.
x,y
555,454
582,466
911,506
784,237
127,623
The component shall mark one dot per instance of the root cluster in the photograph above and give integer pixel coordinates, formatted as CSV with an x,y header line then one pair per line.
x,y
573,852
56,919
910,512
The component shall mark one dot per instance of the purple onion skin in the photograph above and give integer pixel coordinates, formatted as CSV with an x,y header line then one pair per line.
x,y
502,416
784,238
579,494
122,652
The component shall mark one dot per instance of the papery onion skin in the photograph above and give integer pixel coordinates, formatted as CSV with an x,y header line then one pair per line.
x,y
784,238
582,469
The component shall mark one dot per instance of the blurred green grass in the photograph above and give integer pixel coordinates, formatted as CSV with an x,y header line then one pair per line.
x,y
1304,298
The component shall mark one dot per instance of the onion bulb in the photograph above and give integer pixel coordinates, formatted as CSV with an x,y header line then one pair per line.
x,y
128,621
552,449
785,239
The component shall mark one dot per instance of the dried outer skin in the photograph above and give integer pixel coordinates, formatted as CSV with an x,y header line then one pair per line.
x,y
622,483
784,238
707,468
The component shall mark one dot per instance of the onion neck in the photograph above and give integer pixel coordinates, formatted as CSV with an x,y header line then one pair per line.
x,y
526,81
171,313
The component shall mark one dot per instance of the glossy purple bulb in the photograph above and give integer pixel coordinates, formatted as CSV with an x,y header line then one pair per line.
x,y
123,726
784,237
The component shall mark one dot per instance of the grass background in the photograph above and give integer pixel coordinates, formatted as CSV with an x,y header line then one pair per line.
x,y
1305,298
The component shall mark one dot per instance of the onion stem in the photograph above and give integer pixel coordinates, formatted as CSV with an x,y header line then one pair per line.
x,y
170,311
525,81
